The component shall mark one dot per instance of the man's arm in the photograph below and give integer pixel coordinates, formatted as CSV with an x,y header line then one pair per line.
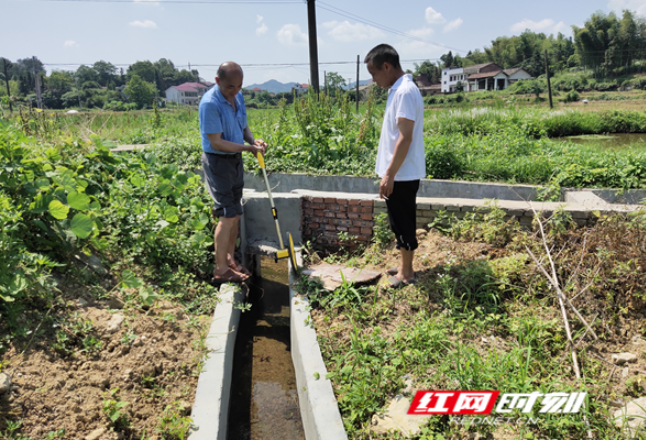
x,y
251,140
220,144
405,127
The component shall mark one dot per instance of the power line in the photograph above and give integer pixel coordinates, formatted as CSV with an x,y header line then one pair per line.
x,y
360,19
268,2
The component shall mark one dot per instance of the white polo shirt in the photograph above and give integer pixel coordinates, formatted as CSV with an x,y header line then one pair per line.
x,y
404,101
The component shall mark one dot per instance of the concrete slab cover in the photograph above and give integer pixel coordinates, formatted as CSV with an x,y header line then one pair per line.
x,y
211,408
332,275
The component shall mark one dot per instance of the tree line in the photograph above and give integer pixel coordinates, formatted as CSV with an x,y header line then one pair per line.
x,y
607,44
101,85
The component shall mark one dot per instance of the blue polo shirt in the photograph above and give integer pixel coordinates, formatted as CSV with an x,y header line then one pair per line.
x,y
217,116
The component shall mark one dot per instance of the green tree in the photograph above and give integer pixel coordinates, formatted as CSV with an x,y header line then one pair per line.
x,y
334,83
139,91
105,72
145,70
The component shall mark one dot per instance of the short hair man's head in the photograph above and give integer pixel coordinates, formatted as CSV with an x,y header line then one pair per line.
x,y
383,64
384,53
229,79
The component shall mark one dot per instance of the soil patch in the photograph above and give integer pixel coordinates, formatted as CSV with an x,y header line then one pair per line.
x,y
152,357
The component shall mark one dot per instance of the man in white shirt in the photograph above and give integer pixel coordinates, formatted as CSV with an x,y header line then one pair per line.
x,y
400,158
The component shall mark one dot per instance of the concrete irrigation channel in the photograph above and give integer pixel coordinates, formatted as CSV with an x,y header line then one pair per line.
x,y
265,375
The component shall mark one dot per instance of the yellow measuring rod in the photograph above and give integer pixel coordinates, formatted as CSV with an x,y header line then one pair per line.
x,y
282,252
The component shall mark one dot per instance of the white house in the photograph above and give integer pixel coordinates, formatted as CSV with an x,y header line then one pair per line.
x,y
188,93
300,88
451,77
517,74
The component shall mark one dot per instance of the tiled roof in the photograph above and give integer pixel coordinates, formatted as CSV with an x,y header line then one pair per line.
x,y
192,86
485,75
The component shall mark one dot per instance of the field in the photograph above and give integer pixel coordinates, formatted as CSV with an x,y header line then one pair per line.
x,y
99,249
482,316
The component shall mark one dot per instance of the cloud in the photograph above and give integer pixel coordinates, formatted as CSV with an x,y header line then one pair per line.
x,y
434,17
548,26
638,6
259,18
70,43
147,2
262,29
414,48
347,32
146,24
291,35
453,25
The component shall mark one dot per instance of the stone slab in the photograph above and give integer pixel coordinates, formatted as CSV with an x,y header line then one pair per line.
x,y
332,278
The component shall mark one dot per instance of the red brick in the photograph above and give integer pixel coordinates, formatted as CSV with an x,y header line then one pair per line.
x,y
342,229
319,213
330,214
330,200
363,238
353,215
317,205
314,225
306,204
317,200
307,232
367,231
362,224
366,216
354,209
354,202
334,207
367,203
330,228
342,202
347,223
341,215
354,230
308,212
366,210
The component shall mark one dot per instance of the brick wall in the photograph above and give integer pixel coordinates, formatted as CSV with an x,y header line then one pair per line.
x,y
322,218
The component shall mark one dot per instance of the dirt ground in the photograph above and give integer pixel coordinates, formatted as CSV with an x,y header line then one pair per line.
x,y
158,367
617,383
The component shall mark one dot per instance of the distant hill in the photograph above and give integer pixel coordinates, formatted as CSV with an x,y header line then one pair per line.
x,y
362,82
273,86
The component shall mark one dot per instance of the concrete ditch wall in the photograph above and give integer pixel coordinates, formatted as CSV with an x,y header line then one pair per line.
x,y
319,216
286,183
318,405
210,412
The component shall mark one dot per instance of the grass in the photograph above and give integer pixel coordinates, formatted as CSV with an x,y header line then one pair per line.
x,y
482,318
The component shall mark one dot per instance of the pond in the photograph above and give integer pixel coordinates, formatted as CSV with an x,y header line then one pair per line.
x,y
614,141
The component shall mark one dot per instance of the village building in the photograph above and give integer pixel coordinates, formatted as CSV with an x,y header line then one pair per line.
x,y
188,93
300,88
488,76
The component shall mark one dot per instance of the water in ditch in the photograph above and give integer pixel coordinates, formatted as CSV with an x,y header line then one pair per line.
x,y
264,401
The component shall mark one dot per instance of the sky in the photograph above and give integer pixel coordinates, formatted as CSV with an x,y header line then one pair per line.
x,y
64,34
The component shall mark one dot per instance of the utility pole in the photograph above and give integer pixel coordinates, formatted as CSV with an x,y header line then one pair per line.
x,y
547,73
325,81
6,79
357,84
314,55
39,98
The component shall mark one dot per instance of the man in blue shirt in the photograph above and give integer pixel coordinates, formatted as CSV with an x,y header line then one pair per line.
x,y
224,130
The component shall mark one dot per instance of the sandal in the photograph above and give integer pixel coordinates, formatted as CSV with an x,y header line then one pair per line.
x,y
240,269
395,283
393,270
229,277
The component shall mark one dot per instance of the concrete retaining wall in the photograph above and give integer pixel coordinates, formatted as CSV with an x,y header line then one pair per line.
x,y
285,183
211,408
319,407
